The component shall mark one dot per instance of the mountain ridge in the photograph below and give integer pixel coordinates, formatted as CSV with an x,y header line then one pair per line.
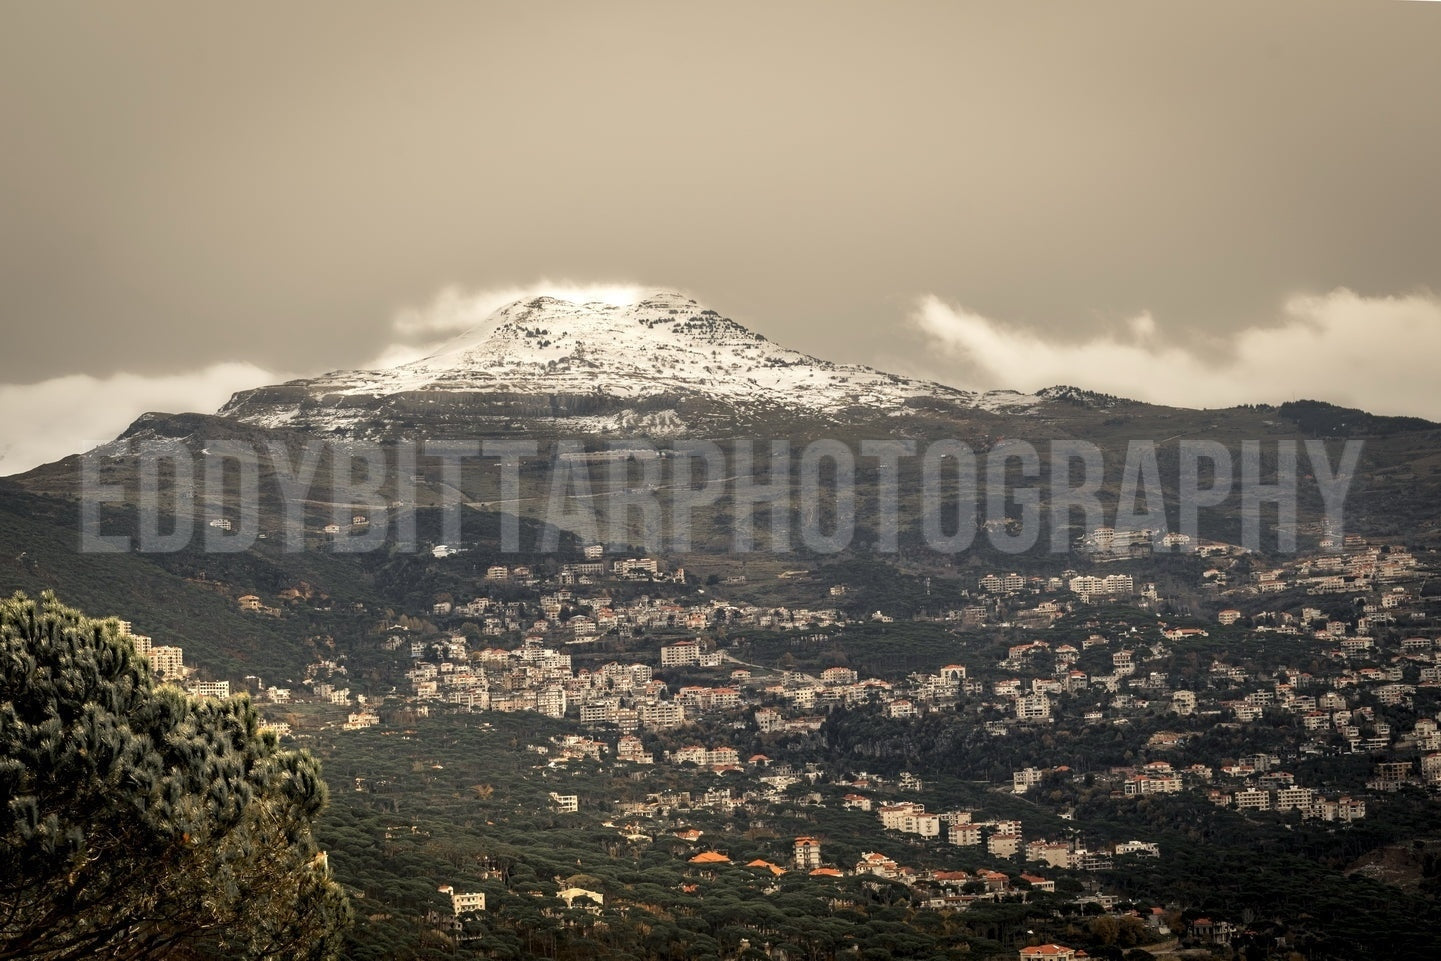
x,y
665,368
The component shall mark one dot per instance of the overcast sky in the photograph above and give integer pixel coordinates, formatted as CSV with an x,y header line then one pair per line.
x,y
1188,202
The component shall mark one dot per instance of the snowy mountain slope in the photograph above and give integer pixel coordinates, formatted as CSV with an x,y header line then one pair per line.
x,y
666,347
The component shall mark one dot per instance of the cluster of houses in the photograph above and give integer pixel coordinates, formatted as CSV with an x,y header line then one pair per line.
x,y
572,618
538,677
1361,570
1376,576
941,888
1342,708
1377,655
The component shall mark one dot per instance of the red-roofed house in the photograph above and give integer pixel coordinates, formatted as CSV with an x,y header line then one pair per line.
x,y
1049,952
1038,883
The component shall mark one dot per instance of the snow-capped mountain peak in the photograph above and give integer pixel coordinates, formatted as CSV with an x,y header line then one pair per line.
x,y
547,330
663,348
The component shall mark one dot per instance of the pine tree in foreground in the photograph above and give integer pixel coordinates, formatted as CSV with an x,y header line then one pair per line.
x,y
138,822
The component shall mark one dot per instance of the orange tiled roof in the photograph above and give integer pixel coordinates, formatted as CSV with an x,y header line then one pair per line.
x,y
710,857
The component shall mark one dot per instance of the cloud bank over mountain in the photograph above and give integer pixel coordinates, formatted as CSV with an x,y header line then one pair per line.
x,y
53,418
1341,347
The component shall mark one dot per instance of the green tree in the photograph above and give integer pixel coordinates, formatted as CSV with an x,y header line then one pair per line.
x,y
138,822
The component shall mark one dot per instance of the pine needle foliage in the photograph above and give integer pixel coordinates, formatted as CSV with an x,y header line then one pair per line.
x,y
139,822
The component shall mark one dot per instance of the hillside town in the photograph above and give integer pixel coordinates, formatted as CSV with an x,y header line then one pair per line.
x,y
668,685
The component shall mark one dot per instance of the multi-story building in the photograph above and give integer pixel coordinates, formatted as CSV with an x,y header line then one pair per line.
x,y
1300,798
638,567
964,834
550,701
1252,799
680,654
659,715
1057,854
807,854
1033,707
1003,845
706,757
464,903
167,662
630,748
1025,779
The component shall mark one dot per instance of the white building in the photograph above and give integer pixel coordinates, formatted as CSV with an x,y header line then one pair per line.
x,y
680,653
209,688
1025,779
464,903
